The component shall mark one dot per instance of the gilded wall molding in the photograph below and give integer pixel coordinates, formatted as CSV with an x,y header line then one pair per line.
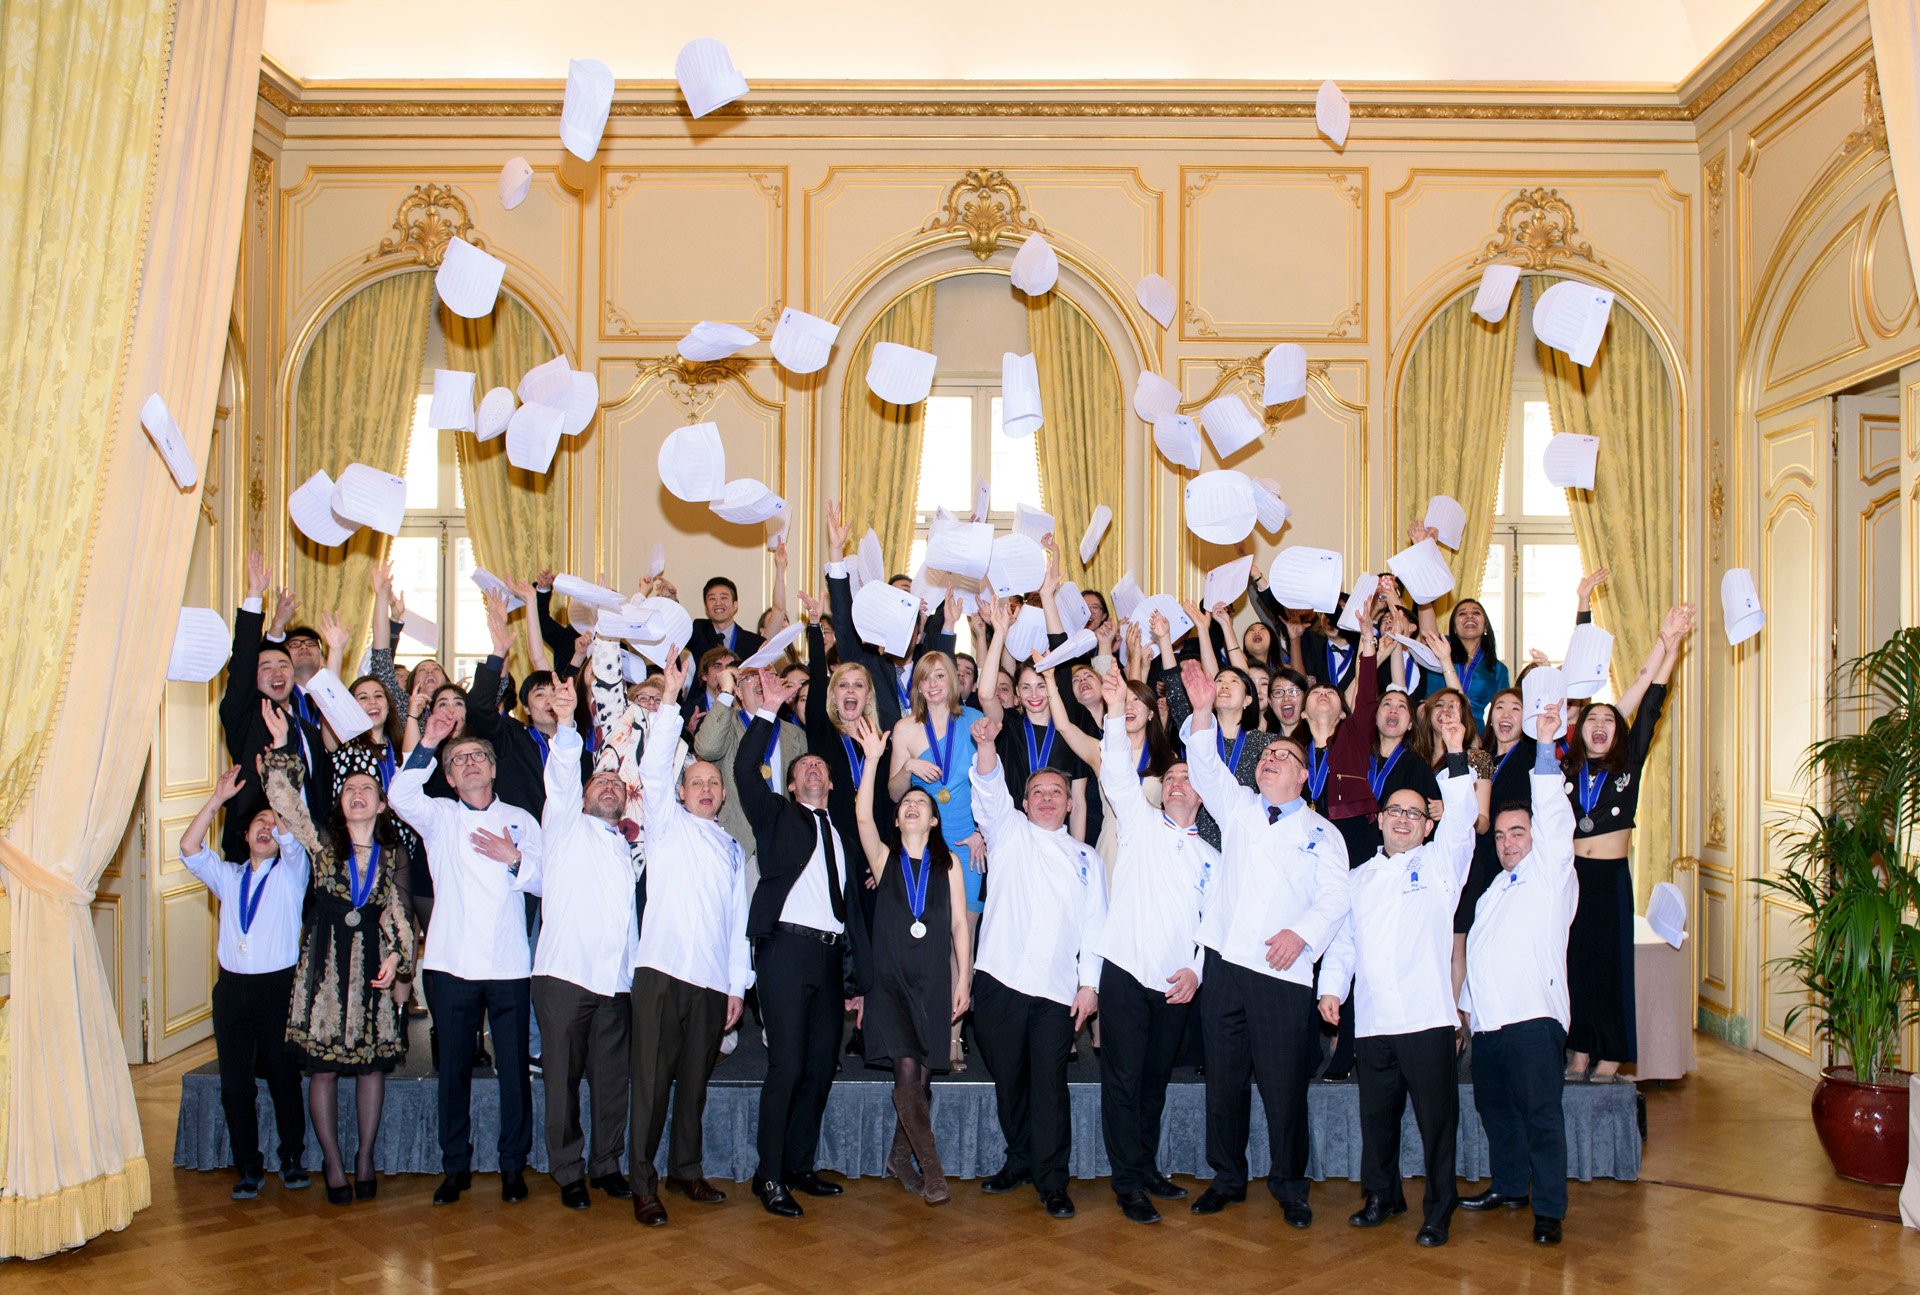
x,y
691,384
984,207
1777,36
424,222
1717,814
262,191
1716,176
1250,375
1538,229
1871,134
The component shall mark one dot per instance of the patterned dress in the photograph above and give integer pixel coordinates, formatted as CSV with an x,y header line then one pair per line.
x,y
337,1020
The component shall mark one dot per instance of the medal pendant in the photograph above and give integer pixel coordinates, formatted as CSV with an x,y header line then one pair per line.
x,y
918,930
1586,824
243,944
353,917
766,771
944,796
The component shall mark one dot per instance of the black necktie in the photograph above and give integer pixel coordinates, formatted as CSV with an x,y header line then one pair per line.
x,y
833,869
1273,813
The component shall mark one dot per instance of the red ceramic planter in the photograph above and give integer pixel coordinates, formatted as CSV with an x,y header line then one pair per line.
x,y
1863,1127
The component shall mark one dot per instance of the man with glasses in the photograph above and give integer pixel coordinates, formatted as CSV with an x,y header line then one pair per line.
x,y
477,963
1398,942
1280,896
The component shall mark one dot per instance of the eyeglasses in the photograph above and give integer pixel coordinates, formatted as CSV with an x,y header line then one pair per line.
x,y
1288,691
1284,753
1405,813
468,757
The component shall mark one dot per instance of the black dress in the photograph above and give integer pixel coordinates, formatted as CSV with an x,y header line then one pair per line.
x,y
910,1000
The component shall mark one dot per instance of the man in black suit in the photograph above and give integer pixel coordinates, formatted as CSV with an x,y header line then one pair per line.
x,y
520,748
260,671
803,931
717,628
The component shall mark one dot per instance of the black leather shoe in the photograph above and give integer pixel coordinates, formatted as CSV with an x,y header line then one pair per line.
x,y
1297,1214
1058,1203
247,1186
1213,1200
1375,1212
1432,1235
1546,1232
451,1186
293,1176
614,1185
648,1210
776,1199
574,1195
1138,1208
812,1184
1492,1200
513,1186
1003,1182
1165,1188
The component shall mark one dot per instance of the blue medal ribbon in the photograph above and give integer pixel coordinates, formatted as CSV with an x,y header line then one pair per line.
x,y
1378,772
1146,758
1501,768
944,750
1038,753
1335,666
542,741
384,766
1590,790
855,760
1220,740
359,890
1319,764
251,893
916,881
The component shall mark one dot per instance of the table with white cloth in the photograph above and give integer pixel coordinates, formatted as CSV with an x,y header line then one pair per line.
x,y
1663,1004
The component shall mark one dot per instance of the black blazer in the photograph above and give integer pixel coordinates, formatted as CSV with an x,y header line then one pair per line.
x,y
520,776
785,833
933,637
247,740
704,639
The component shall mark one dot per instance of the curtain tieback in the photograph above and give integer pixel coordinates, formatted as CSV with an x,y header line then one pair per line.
x,y
37,878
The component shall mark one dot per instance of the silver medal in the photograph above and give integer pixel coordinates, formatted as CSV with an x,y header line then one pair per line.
x,y
353,917
918,930
243,944
1586,824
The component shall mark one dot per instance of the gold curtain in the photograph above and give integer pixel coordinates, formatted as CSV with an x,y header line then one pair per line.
x,y
879,442
515,517
85,131
1896,61
354,404
1454,407
1625,523
1080,441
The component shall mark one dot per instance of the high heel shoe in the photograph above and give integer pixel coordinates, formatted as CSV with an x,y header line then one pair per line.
x,y
341,1195
365,1189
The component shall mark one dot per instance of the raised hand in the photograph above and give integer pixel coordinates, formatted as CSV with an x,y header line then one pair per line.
x,y
1547,722
985,731
334,635
285,603
872,739
1158,627
1221,613
776,691
1192,609
1590,582
673,675
837,531
582,648
1677,624
258,578
521,589
1200,689
780,556
544,580
380,578
1113,690
438,728
227,785
1107,635
566,698
497,622
276,724
397,606
1436,644
810,605
1453,733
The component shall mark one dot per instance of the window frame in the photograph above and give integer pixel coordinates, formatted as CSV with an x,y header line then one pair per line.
x,y
447,525
1515,528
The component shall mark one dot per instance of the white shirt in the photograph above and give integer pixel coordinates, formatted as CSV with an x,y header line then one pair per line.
x,y
1161,875
589,931
809,903
696,927
479,925
271,941
1398,935
1289,875
1517,948
1046,900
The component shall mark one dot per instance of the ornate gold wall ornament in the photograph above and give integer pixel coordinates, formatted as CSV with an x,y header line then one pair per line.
x,y
1773,40
1538,228
690,383
1716,185
1345,321
1250,375
1202,322
985,207
1872,133
768,185
262,191
426,220
1716,509
1717,815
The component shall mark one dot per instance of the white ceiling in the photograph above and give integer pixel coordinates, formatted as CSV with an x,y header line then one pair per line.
x,y
1615,41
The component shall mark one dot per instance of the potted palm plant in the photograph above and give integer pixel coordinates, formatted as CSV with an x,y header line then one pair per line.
x,y
1850,866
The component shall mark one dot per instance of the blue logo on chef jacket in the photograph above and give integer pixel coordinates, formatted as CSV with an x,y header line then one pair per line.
x,y
1414,884
1206,874
1080,865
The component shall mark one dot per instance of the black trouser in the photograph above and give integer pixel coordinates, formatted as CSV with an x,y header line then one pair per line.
x,y
1257,1028
1024,1041
1139,1038
583,1033
250,1034
1600,963
458,1007
1519,1071
676,1039
1390,1067
801,1002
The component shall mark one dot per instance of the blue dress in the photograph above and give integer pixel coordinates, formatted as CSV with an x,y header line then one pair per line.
x,y
956,815
1487,678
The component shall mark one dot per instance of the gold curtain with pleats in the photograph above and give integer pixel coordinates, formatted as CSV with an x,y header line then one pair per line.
x,y
354,404
1625,523
516,518
1455,404
1080,444
1896,58
102,309
879,442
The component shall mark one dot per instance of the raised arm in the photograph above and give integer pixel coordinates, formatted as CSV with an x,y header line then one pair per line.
x,y
779,607
284,777
562,775
1552,813
1113,762
1453,839
872,742
225,788
538,657
993,807
1179,701
1202,639
1000,617
1081,743
1224,795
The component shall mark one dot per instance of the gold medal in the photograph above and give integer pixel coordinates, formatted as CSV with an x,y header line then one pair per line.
x,y
766,771
943,796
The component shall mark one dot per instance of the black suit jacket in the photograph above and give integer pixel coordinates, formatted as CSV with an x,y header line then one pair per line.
x,y
520,771
785,833
886,677
247,740
704,638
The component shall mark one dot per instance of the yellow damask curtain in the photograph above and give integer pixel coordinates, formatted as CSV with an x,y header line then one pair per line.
x,y
1453,412
1625,523
1080,439
879,442
86,130
516,518
354,404
1896,58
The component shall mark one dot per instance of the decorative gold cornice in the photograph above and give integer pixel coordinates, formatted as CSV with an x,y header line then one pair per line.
x,y
983,206
1537,229
1872,131
425,221
1250,374
690,383
1775,37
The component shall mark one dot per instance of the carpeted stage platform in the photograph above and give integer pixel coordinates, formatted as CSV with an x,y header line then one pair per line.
x,y
1603,1124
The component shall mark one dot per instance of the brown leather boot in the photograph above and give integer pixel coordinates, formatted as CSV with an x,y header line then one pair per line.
x,y
900,1158
916,1120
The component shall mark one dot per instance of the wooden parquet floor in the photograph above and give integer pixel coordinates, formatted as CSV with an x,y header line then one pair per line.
x,y
1739,1125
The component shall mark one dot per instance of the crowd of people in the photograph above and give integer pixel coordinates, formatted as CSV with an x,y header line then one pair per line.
x,y
1288,852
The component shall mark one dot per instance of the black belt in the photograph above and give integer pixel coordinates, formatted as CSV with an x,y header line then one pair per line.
x,y
827,938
